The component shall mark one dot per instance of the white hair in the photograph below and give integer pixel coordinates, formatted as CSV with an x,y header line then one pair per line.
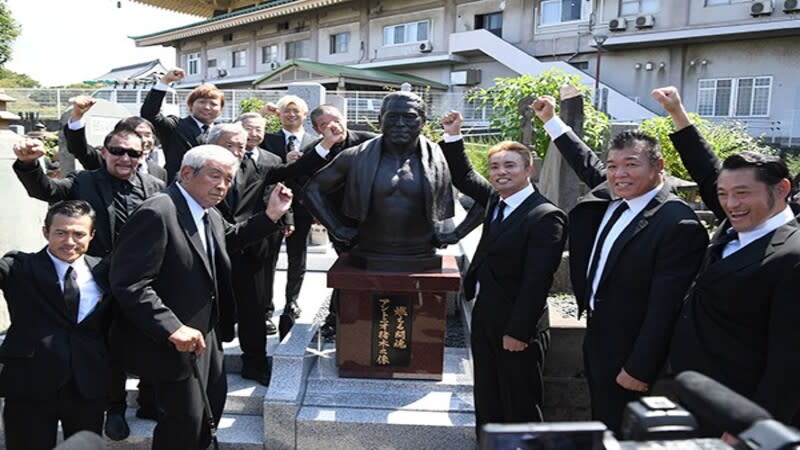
x,y
197,157
218,130
250,115
287,100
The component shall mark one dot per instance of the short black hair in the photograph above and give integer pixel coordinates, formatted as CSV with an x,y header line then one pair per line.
x,y
121,131
769,169
130,123
69,208
317,112
415,100
633,138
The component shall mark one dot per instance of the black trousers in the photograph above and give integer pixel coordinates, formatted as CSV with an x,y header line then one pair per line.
x,y
265,278
508,385
250,269
296,249
602,365
183,424
33,425
118,401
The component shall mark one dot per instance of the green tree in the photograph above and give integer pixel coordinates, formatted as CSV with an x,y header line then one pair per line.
x,y
10,79
253,104
725,139
9,31
506,93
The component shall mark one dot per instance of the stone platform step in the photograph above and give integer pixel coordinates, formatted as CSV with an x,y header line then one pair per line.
x,y
245,397
319,427
235,432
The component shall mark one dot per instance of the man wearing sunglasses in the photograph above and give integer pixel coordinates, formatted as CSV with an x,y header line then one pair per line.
x,y
114,191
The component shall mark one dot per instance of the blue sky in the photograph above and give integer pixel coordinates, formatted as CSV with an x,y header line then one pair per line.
x,y
69,41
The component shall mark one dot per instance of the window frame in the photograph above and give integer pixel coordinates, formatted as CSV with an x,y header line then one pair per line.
x,y
484,19
736,93
238,58
307,47
264,53
194,59
585,5
639,9
334,44
427,22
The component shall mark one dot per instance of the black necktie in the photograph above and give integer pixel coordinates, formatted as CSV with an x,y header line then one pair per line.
x,y
718,245
210,248
120,202
598,249
501,207
72,295
292,144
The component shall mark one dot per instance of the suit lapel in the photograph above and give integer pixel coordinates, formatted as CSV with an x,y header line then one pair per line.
x,y
51,287
512,219
103,183
188,131
188,226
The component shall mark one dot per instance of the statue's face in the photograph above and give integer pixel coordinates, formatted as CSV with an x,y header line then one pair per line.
x,y
401,123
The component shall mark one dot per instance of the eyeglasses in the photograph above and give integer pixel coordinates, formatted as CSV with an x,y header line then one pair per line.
x,y
119,151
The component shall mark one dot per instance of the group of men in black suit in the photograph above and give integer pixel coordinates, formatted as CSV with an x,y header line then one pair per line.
x,y
656,295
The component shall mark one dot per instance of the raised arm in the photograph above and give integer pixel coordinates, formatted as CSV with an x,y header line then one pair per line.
x,y
151,107
462,173
75,134
696,154
331,178
578,155
36,182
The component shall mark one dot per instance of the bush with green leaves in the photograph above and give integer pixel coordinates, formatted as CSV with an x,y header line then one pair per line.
x,y
254,104
506,93
725,139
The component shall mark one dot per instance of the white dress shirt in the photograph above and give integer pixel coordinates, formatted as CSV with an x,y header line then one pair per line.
x,y
747,237
90,292
513,201
298,135
635,206
197,212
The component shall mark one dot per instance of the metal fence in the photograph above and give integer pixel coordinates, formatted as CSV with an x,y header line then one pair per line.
x,y
362,106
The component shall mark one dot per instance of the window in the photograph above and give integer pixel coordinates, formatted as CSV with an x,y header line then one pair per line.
x,y
227,37
406,33
740,97
340,42
557,11
491,22
723,2
193,63
212,63
580,65
269,53
239,58
298,49
634,7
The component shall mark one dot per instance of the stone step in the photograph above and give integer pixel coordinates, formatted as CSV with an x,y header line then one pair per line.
x,y
340,427
391,397
234,432
245,397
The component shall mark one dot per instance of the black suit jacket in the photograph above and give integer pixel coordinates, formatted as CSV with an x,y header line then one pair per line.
x,y
647,272
44,346
176,135
738,324
514,265
275,143
90,157
162,279
92,186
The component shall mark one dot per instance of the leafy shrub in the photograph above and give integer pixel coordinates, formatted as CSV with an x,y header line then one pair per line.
x,y
254,104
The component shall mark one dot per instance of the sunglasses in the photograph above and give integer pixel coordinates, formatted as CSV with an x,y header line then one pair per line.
x,y
119,151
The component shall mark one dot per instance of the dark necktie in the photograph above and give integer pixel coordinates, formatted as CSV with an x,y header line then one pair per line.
x,y
598,250
718,245
210,248
120,202
292,144
501,207
72,295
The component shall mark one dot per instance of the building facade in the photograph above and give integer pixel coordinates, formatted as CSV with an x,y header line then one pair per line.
x,y
731,59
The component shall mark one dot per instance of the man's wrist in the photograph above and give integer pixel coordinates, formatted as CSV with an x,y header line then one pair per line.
x,y
555,127
161,86
76,124
450,138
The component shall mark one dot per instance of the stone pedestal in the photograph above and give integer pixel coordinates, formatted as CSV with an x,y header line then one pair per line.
x,y
391,324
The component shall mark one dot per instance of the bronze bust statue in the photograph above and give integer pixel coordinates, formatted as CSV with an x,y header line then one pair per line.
x,y
397,191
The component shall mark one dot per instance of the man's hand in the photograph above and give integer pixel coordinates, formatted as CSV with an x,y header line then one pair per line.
x,y
331,135
288,230
270,109
293,156
669,99
451,122
347,236
513,344
188,339
173,75
280,200
632,384
442,240
545,108
80,105
29,150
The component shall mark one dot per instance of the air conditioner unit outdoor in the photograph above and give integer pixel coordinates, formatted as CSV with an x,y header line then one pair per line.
x,y
274,65
761,8
426,47
791,6
618,24
646,21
